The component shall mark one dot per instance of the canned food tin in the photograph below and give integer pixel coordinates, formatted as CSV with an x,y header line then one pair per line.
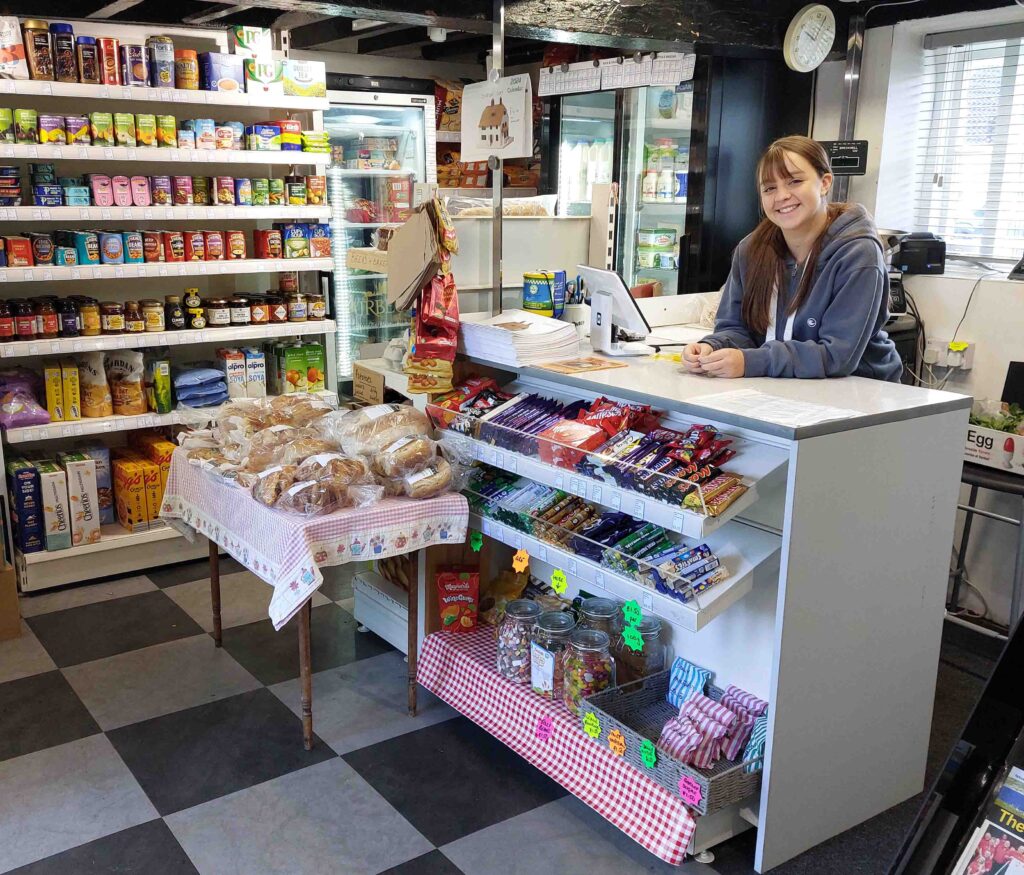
x,y
110,61
134,65
201,191
214,245
316,190
182,188
260,192
243,192
288,281
268,243
235,244
225,189
145,129
133,247
152,246
162,190
174,246
161,61
111,247
195,246
276,192
186,69
295,191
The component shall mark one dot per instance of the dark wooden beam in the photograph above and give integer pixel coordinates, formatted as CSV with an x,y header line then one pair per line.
x,y
316,33
402,37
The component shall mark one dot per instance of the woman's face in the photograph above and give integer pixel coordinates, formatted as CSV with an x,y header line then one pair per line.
x,y
795,198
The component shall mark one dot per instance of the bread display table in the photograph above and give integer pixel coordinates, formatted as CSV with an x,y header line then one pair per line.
x,y
288,551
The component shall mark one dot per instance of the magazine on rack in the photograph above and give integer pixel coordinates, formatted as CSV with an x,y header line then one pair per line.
x,y
997,845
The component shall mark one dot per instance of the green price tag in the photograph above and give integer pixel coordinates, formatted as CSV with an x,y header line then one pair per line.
x,y
631,612
648,755
558,581
591,725
476,541
632,638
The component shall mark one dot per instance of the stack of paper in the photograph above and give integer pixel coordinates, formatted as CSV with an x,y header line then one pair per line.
x,y
518,338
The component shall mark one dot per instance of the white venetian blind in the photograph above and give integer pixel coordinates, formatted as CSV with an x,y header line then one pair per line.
x,y
970,153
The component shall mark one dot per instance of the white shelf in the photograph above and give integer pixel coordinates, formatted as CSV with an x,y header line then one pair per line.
x,y
158,213
352,171
753,463
64,346
162,268
94,425
365,226
741,550
160,95
152,154
449,136
112,537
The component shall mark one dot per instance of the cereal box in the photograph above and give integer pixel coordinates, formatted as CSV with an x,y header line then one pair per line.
x,y
264,77
154,492
100,454
83,497
71,389
159,450
54,391
130,494
53,484
26,504
305,78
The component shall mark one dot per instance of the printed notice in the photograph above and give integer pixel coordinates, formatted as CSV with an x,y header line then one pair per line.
x,y
773,408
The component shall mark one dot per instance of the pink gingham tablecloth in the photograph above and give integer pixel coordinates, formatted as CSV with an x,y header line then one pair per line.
x,y
288,550
460,669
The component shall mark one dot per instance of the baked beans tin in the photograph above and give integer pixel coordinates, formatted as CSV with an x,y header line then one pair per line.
x,y
134,65
214,245
268,243
110,61
224,186
195,246
235,244
42,248
174,246
182,188
134,247
162,190
152,246
111,247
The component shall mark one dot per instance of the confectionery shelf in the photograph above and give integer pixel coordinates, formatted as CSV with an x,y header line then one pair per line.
x,y
155,213
153,155
63,346
162,269
160,95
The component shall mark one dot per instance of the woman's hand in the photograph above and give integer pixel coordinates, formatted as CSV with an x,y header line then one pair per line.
x,y
723,363
692,354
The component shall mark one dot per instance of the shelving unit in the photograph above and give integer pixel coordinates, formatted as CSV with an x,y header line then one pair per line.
x,y
159,213
153,155
161,269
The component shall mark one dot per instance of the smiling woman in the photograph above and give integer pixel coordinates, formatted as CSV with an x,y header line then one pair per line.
x,y
808,292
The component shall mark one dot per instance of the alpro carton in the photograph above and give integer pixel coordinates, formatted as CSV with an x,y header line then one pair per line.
x,y
100,454
53,485
83,497
130,494
232,362
255,373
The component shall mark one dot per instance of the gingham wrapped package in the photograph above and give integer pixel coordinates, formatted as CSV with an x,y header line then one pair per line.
x,y
288,550
459,668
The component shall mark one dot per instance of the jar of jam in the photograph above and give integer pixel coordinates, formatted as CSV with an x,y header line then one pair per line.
x,y
259,310
192,300
67,310
278,309
6,322
316,307
24,320
240,312
288,281
195,318
174,315
112,317
134,322
47,324
218,313
297,310
89,321
153,313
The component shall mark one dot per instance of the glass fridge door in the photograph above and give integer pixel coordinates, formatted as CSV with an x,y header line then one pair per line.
x,y
585,149
653,182
377,154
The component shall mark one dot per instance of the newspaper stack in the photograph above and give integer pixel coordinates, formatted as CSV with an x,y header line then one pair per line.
x,y
518,338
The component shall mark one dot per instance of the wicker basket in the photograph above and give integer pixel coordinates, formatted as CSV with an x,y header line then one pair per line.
x,y
639,710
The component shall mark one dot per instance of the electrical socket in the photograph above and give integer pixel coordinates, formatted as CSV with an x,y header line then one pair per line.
x,y
961,358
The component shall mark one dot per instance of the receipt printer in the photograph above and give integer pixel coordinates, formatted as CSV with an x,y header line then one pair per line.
x,y
921,252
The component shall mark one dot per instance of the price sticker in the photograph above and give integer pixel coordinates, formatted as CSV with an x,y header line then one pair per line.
x,y
542,553
476,541
632,613
83,152
6,351
33,152
58,152
577,487
519,542
119,272
147,214
488,527
617,743
545,727
105,214
55,346
499,460
573,568
512,464
47,275
33,349
174,154
690,790
595,493
615,500
591,725
558,581
69,431
8,151
202,267
638,509
648,753
599,579
648,600
46,88
97,273
3,276
28,275
37,215
108,154
133,154
677,522
520,561
85,214
77,346
128,214
559,481
632,638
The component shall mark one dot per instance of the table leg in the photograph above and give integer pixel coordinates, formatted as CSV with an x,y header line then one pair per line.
x,y
1017,593
414,585
306,675
215,591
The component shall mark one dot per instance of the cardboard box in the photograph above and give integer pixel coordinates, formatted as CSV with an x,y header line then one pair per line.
x,y
26,505
130,494
264,77
154,493
159,451
367,384
54,391
221,72
995,449
291,369
305,78
232,362
250,42
100,454
316,363
373,260
56,511
71,389
255,373
83,497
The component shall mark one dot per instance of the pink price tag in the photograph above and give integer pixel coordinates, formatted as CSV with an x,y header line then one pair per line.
x,y
545,728
689,789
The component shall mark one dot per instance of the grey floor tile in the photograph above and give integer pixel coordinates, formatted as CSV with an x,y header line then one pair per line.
x,y
434,863
364,702
197,569
244,598
273,656
76,596
108,628
564,836
157,680
193,756
61,797
40,711
337,583
324,818
23,656
147,849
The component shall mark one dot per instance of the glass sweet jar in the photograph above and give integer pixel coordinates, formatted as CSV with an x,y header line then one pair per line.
x,y
587,667
600,613
639,655
514,635
550,637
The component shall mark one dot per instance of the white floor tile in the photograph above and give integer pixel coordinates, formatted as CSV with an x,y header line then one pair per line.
x,y
23,656
75,596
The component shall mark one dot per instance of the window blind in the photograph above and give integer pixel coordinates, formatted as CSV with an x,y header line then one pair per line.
x,y
969,185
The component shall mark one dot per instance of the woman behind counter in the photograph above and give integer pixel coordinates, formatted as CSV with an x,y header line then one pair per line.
x,y
808,292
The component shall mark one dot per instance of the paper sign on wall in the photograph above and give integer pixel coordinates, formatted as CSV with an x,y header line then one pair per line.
x,y
497,119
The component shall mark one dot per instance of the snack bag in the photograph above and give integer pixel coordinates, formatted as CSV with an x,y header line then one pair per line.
x,y
506,587
96,400
125,371
458,598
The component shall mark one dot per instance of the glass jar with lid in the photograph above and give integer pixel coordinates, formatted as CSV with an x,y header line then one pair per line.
x,y
70,325
47,323
587,667
241,313
153,313
550,635
90,323
630,664
278,308
134,321
514,640
38,49
600,613
218,314
112,317
24,319
316,307
174,315
6,322
297,309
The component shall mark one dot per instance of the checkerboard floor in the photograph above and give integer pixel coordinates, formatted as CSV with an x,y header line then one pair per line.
x,y
130,744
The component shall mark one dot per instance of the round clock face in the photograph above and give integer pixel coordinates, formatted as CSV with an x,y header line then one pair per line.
x,y
809,38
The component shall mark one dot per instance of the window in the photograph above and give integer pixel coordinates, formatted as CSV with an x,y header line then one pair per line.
x,y
970,154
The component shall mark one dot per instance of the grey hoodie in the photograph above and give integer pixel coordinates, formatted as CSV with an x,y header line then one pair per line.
x,y
838,329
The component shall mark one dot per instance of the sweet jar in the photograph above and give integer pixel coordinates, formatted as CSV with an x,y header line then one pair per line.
x,y
514,640
600,613
587,667
630,664
550,636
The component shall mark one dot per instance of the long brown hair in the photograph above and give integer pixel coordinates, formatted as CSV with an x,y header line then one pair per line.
x,y
766,249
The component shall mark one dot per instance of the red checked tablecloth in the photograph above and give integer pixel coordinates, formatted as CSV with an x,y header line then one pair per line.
x,y
459,668
288,550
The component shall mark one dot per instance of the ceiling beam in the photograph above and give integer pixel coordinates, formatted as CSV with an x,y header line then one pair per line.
x,y
398,38
205,17
327,30
113,8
